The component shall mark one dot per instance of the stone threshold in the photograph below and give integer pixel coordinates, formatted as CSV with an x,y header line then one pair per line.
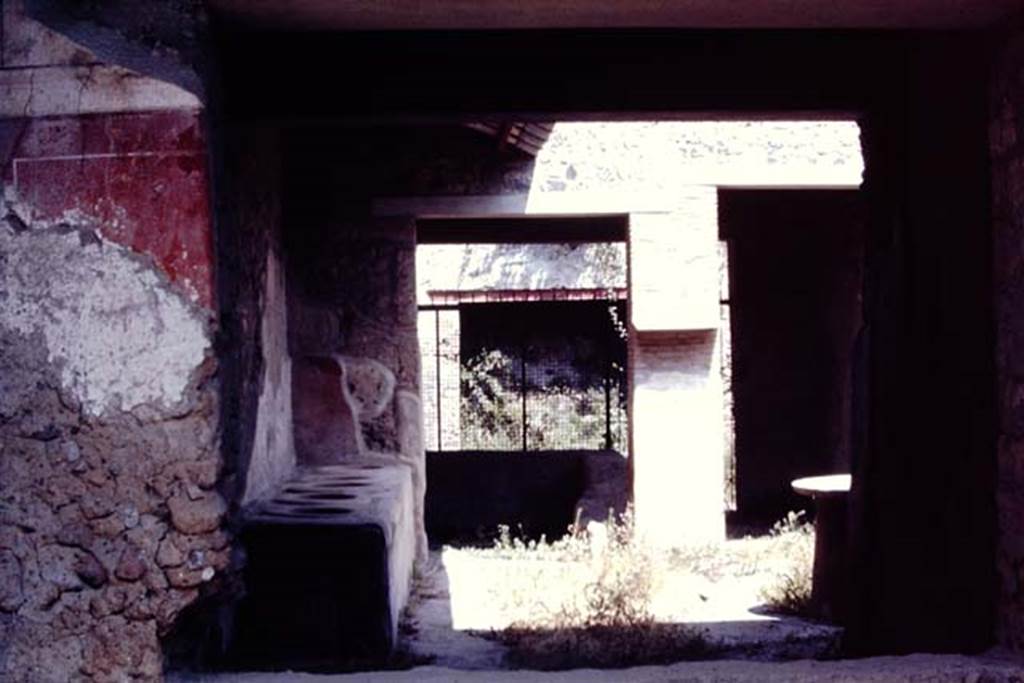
x,y
993,667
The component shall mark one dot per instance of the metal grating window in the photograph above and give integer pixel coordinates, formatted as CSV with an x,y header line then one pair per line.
x,y
530,376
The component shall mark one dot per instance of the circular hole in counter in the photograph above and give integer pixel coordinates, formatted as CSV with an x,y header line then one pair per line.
x,y
328,495
321,510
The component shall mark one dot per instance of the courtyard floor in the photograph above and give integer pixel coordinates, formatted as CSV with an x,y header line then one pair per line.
x,y
466,597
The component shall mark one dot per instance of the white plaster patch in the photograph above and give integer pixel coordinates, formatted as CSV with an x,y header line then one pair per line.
x,y
118,335
273,449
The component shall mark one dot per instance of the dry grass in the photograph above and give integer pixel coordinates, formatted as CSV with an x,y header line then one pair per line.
x,y
601,647
606,621
783,561
790,592
596,597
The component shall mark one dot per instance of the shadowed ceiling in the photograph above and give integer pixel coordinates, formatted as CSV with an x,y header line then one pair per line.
x,y
539,14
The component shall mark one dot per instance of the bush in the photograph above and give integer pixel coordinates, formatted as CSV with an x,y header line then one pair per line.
x,y
562,412
490,415
790,592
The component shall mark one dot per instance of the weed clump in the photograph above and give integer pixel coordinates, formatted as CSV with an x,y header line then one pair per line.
x,y
790,591
606,621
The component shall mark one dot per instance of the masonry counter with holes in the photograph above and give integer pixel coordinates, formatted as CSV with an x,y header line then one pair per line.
x,y
330,552
328,568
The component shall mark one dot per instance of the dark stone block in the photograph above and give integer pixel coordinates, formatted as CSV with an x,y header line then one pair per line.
x,y
317,597
472,492
329,563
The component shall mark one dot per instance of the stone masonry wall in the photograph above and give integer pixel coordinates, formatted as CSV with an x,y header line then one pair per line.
x,y
1007,142
107,411
352,284
110,524
364,275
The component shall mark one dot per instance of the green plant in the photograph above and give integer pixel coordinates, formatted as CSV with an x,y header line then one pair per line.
x,y
559,415
621,580
790,590
490,408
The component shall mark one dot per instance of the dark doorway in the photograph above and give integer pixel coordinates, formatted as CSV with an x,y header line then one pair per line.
x,y
796,270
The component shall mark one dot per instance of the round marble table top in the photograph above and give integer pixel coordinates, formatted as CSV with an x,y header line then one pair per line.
x,y
827,485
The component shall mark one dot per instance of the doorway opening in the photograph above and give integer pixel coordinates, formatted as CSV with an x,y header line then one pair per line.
x,y
523,356
674,186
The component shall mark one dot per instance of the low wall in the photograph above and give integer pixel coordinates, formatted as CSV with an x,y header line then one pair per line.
x,y
470,493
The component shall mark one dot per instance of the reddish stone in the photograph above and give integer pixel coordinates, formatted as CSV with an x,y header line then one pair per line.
x,y
200,516
131,566
182,577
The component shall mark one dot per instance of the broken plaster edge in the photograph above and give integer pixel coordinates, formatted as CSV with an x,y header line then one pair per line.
x,y
101,363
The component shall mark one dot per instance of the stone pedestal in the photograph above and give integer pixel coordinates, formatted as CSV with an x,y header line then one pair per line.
x,y
831,588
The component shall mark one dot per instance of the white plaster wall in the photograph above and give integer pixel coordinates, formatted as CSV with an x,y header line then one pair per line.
x,y
674,264
658,157
120,337
519,266
677,438
273,450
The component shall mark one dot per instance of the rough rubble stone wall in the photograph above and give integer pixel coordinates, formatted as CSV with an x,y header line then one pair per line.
x,y
352,283
655,157
365,276
1007,143
648,159
109,522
